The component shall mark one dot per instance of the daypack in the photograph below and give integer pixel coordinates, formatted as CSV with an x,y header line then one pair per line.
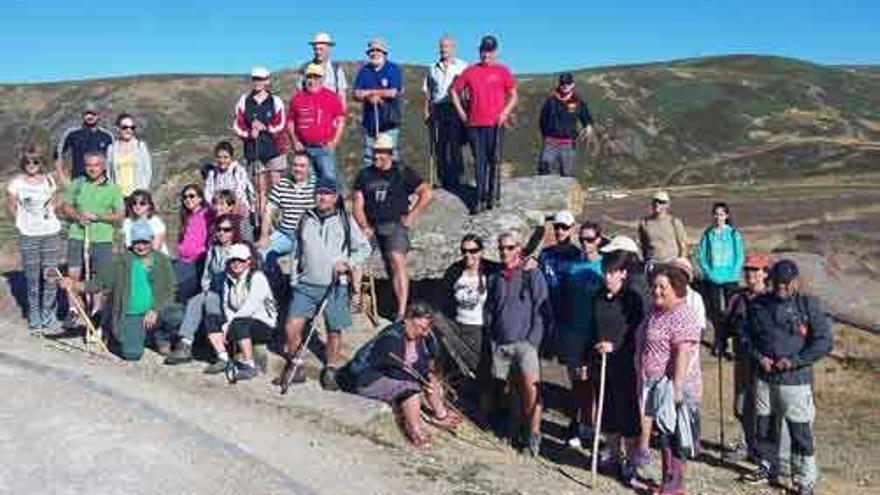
x,y
346,231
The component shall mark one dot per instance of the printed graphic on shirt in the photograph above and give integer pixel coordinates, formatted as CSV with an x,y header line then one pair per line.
x,y
467,295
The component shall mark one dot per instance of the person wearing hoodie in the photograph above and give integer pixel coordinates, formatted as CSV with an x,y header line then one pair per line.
x,y
721,257
565,119
129,164
786,333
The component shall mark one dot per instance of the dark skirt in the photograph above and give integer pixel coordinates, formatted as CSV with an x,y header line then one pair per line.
x,y
389,390
621,408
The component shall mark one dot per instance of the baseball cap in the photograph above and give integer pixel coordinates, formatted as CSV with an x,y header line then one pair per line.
x,y
315,70
621,243
758,261
325,184
566,78
141,231
685,265
784,271
377,44
564,217
661,196
260,73
488,44
90,107
322,38
383,142
239,252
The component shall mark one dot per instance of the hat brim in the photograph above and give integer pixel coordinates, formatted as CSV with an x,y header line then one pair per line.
x,y
318,42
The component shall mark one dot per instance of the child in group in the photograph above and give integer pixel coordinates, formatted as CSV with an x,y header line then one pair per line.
x,y
140,206
228,174
224,203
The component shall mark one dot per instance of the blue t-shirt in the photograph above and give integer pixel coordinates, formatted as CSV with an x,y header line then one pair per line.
x,y
388,77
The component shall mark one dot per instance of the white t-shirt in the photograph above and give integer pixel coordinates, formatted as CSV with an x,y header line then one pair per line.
x,y
469,301
35,214
695,302
158,229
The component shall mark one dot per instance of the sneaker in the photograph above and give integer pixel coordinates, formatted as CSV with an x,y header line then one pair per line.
x,y
762,475
328,378
245,371
217,367
71,321
533,445
182,354
626,473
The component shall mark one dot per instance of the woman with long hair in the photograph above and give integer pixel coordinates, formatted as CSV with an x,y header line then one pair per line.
x,y
140,206
195,220
129,164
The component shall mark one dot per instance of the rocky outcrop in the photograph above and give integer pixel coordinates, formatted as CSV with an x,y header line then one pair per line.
x,y
525,202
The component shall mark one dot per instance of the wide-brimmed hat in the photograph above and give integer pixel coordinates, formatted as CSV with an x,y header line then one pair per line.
x,y
377,44
322,38
661,196
621,243
383,142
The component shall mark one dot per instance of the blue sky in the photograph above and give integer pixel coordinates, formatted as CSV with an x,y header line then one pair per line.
x,y
46,40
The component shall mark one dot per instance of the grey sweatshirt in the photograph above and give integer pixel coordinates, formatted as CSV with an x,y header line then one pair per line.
x,y
321,246
517,307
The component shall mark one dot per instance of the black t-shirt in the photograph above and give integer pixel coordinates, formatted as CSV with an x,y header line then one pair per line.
x,y
386,192
79,141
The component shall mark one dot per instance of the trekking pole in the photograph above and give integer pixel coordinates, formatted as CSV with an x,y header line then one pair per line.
x,y
594,461
87,276
432,135
296,361
79,308
722,308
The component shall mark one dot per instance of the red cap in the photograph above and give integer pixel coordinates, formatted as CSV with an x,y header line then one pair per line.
x,y
760,261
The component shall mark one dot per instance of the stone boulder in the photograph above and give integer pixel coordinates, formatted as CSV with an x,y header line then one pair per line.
x,y
525,202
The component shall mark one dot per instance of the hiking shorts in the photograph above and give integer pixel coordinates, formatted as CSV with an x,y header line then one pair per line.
x,y
521,354
392,238
101,255
306,298
277,164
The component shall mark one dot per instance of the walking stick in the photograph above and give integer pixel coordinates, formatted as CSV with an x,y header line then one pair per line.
x,y
722,308
80,309
87,276
296,361
432,135
594,461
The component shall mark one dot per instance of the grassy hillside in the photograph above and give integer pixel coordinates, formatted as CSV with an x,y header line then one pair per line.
x,y
723,119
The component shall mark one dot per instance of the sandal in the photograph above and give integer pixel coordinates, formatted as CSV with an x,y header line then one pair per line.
x,y
419,440
449,422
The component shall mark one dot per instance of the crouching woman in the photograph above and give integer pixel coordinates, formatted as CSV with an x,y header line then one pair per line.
x,y
397,367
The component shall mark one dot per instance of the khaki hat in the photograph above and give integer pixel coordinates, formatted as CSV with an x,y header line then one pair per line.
x,y
383,142
684,265
260,73
322,38
377,44
661,196
315,70
621,243
564,217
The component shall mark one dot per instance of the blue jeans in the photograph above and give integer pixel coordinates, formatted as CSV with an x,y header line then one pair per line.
x,y
368,146
280,244
323,162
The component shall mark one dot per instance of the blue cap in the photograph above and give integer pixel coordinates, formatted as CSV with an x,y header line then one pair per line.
x,y
326,184
141,231
784,271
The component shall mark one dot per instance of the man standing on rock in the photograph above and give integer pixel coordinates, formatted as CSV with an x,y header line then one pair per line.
x,y
517,314
378,86
661,234
786,332
382,210
79,141
445,127
260,118
316,121
329,245
334,75
560,116
492,95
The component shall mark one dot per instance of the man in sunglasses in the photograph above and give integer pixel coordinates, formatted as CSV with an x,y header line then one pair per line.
x,y
378,86
78,141
661,234
517,314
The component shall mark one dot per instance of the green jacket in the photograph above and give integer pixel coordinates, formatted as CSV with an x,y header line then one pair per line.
x,y
117,280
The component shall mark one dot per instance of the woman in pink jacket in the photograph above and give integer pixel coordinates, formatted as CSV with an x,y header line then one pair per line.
x,y
192,244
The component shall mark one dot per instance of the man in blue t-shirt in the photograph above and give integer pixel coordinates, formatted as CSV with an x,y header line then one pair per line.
x,y
378,85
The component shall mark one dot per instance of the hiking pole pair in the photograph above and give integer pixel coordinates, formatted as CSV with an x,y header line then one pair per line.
x,y
290,368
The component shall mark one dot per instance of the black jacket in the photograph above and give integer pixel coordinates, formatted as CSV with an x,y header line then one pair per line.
x,y
453,273
793,328
559,119
373,360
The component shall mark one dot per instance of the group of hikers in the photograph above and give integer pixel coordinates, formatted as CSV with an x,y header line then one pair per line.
x,y
624,316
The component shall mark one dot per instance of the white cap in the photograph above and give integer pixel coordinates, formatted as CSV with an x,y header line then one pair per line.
x,y
239,252
621,243
383,141
564,217
260,73
322,38
661,196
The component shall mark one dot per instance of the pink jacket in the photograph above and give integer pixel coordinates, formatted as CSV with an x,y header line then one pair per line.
x,y
194,242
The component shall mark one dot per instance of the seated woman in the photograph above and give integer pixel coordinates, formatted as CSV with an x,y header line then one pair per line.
x,y
397,367
192,243
224,203
249,310
206,305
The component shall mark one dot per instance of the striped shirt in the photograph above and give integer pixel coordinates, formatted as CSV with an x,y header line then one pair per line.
x,y
292,199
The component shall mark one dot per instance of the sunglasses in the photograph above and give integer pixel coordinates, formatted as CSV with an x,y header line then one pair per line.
x,y
224,229
141,242
589,240
507,247
127,127
238,260
190,196
561,226
470,251
141,203
34,162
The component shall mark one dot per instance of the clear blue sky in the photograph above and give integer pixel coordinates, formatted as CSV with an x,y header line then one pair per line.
x,y
45,40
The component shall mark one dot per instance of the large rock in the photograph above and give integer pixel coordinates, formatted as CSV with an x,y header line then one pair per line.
x,y
525,202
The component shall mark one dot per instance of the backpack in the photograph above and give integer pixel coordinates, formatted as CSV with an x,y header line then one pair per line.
x,y
346,230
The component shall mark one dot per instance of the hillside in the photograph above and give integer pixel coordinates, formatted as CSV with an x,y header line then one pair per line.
x,y
736,118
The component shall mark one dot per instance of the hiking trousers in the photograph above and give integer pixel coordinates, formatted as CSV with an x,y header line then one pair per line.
x,y
792,406
447,134
557,156
485,142
39,253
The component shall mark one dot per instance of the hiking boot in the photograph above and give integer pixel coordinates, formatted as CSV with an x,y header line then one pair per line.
x,y
533,445
245,371
71,321
763,475
217,367
328,379
182,354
